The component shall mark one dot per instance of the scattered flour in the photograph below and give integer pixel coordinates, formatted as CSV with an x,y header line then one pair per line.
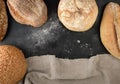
x,y
68,51
78,41
50,32
85,46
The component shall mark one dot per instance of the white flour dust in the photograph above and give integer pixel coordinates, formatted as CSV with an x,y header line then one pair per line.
x,y
78,41
85,46
50,32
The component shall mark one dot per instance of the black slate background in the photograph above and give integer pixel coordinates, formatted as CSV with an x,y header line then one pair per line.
x,y
53,38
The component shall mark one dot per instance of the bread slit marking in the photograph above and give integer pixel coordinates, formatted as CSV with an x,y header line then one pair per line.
x,y
117,24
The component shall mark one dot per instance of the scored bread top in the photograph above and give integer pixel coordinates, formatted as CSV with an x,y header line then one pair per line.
x,y
30,12
78,15
110,29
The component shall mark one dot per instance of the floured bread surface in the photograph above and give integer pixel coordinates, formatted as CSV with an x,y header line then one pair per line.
x,y
29,12
78,15
110,29
3,20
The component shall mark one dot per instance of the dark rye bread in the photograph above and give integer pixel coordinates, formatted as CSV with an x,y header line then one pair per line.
x,y
3,20
29,12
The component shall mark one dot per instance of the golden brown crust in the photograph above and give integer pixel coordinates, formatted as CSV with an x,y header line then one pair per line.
x,y
110,29
12,64
77,15
29,12
3,20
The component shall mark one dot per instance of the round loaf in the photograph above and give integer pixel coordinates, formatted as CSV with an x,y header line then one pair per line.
x,y
77,15
12,65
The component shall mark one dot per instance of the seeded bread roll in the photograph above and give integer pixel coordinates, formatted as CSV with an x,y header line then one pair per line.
x,y
29,12
110,29
3,20
12,65
77,15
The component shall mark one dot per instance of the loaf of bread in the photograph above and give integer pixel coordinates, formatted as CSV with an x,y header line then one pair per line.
x,y
3,20
12,65
29,12
110,29
77,15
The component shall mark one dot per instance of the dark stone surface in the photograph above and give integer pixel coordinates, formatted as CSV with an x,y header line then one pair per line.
x,y
53,38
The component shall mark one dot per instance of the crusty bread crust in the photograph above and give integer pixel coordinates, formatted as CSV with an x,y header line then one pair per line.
x,y
12,64
3,20
29,12
77,15
110,29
